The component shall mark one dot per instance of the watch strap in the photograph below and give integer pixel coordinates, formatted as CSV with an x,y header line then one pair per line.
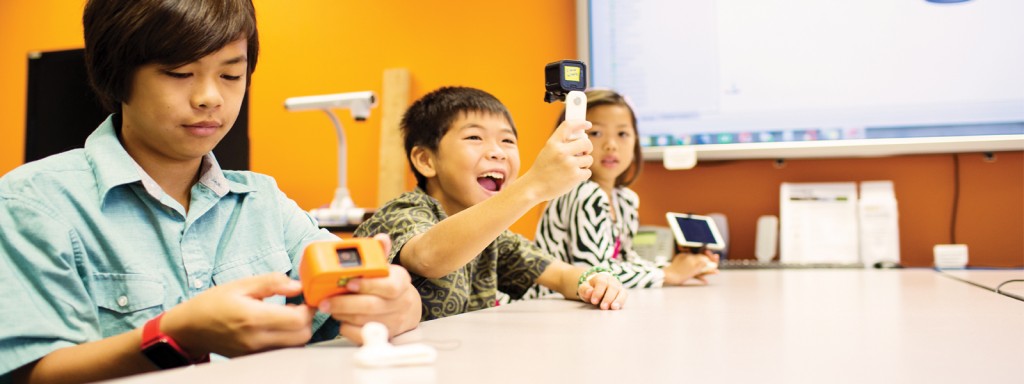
x,y
163,350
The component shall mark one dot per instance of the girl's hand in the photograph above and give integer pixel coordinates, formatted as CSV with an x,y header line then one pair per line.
x,y
712,257
686,266
603,290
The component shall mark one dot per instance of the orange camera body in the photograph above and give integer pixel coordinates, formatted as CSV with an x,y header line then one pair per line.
x,y
328,265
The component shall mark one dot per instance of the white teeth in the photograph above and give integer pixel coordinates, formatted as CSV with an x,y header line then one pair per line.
x,y
493,175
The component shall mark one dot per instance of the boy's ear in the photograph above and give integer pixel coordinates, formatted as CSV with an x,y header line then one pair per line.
x,y
423,160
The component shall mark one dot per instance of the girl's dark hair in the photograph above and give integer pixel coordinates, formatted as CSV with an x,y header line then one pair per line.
x,y
430,117
122,35
601,97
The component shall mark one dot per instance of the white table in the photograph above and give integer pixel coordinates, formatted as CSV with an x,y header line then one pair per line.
x,y
748,326
992,279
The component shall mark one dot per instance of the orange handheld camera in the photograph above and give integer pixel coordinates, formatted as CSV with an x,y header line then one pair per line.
x,y
328,265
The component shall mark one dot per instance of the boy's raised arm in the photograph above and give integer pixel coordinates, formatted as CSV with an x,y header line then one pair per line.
x,y
455,241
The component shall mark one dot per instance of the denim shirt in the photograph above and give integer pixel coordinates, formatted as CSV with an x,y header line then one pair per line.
x,y
91,246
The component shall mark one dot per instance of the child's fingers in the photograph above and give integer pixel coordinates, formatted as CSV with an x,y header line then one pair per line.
x,y
572,130
352,332
609,296
267,285
711,255
582,162
582,174
389,287
582,146
584,291
280,338
616,302
600,287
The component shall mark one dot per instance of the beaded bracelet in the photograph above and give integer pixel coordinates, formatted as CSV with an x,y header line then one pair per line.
x,y
593,270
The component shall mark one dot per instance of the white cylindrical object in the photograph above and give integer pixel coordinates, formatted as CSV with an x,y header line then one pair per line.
x,y
576,106
576,110
767,238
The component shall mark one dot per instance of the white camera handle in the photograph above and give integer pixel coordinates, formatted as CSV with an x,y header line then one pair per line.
x,y
576,110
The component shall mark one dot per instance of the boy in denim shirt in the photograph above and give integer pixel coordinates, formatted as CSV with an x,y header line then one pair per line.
x,y
138,252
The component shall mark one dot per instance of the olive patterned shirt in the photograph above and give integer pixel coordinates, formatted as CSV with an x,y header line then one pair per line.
x,y
510,264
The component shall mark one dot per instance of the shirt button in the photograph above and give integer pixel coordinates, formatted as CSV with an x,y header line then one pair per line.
x,y
197,283
122,301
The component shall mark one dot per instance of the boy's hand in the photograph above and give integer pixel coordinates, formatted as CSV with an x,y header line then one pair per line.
x,y
391,300
603,290
563,163
232,319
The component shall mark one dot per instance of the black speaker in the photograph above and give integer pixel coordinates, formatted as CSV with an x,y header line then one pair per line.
x,y
62,111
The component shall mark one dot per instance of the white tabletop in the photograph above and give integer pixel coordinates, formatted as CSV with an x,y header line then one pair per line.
x,y
992,279
763,326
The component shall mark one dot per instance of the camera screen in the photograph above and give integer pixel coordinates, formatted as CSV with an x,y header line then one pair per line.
x,y
349,257
572,73
697,231
573,78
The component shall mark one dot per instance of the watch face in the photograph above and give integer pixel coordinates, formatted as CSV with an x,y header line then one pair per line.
x,y
164,355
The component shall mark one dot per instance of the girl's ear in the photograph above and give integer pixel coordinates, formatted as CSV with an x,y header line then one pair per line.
x,y
423,160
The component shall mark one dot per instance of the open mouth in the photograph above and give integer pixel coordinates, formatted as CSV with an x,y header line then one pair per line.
x,y
491,181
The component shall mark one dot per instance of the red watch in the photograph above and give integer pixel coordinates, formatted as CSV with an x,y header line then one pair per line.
x,y
162,350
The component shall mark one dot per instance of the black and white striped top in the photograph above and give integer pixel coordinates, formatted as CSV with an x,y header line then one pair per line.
x,y
577,228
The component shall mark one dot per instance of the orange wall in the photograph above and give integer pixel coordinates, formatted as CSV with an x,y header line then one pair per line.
x,y
990,217
326,46
26,26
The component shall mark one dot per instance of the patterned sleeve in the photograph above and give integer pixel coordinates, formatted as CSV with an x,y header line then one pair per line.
x,y
402,218
575,226
578,229
520,263
632,270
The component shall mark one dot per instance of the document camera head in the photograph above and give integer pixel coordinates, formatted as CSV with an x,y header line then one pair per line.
x,y
359,103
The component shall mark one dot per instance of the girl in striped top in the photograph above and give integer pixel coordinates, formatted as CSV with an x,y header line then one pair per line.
x,y
594,224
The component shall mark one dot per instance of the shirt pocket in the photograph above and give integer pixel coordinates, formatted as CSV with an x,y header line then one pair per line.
x,y
127,301
246,265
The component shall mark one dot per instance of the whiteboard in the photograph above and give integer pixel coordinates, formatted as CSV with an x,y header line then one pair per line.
x,y
756,76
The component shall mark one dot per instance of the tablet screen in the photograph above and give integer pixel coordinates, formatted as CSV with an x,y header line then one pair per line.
x,y
696,231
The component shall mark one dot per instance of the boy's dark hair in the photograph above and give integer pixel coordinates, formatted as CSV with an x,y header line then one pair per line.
x,y
430,117
601,97
122,35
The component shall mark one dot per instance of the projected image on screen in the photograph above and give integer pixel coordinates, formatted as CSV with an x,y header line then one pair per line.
x,y
732,71
696,231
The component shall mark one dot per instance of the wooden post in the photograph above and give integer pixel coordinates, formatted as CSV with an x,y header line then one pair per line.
x,y
394,102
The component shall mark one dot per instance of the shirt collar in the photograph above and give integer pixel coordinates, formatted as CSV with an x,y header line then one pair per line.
x,y
434,204
114,167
